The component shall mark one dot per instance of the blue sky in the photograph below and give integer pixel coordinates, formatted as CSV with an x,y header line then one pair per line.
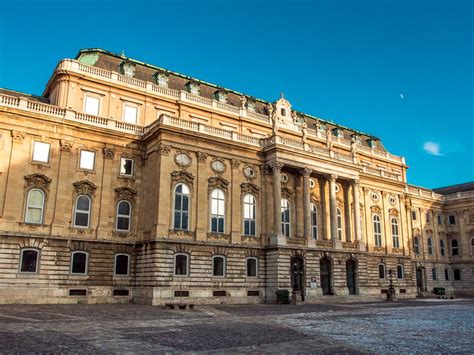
x,y
401,70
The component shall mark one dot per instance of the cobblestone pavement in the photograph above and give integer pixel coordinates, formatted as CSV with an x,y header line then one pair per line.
x,y
417,326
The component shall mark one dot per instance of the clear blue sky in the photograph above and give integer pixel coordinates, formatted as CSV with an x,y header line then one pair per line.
x,y
401,70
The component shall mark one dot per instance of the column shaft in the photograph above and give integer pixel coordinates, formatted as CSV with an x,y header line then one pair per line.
x,y
307,203
333,206
355,198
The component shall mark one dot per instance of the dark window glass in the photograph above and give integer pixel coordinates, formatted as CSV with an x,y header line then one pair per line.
x,y
400,271
381,271
218,266
440,219
181,265
413,215
29,261
251,267
79,263
457,274
446,274
82,212
454,247
452,220
123,223
441,246
433,273
121,264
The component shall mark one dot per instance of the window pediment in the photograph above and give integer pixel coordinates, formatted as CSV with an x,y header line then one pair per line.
x,y
287,193
248,187
125,193
37,180
85,187
376,209
217,182
393,212
182,176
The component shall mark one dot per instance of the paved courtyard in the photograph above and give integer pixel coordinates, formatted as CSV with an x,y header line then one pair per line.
x,y
417,326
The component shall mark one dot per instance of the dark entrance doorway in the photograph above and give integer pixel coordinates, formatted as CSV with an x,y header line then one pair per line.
x,y
297,275
420,284
325,271
351,276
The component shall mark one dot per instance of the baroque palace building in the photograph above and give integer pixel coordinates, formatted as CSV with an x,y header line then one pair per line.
x,y
126,182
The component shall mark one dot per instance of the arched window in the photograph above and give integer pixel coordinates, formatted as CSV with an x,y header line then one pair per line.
x,y
122,265
454,247
472,246
252,267
285,217
395,238
34,206
29,260
79,262
377,230
82,211
217,211
381,271
441,247
430,246
181,207
249,215
124,213
400,271
416,245
339,223
181,266
218,266
314,221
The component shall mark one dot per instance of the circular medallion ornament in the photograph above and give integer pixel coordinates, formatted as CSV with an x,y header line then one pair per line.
x,y
374,196
312,183
218,166
182,159
284,177
337,188
392,200
249,173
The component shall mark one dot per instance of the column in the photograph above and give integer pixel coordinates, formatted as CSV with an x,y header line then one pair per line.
x,y
324,219
356,204
277,238
347,212
307,204
333,206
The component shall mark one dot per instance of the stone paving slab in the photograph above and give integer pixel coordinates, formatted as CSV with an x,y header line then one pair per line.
x,y
412,326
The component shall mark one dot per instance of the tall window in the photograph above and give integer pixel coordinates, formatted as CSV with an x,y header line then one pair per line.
x,y
416,245
400,271
130,113
377,230
87,160
430,246
457,274
41,152
82,212
433,274
451,219
395,238
217,211
441,247
285,217
252,267
124,213
91,105
446,274
472,246
29,260
79,262
249,215
122,265
428,218
454,247
126,166
381,271
339,223
181,207
181,265
218,266
314,221
440,219
413,215
34,206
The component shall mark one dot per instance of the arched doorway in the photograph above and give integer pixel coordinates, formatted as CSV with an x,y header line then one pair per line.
x,y
351,276
325,271
297,275
420,280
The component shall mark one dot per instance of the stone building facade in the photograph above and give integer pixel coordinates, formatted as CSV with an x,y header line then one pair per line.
x,y
126,182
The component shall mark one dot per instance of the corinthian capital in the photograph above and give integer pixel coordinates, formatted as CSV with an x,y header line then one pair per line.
x,y
276,166
307,172
356,182
333,177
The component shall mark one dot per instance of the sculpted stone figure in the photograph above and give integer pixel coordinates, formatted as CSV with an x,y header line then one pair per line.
x,y
304,131
243,101
353,147
274,118
328,138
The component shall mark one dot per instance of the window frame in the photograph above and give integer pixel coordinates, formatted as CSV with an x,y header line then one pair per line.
x,y
402,272
416,245
224,265
27,207
446,274
132,174
86,271
395,236
187,264
457,271
384,269
453,248
434,274
252,207
285,224
22,250
442,247
181,211
413,215
217,215
314,221
89,212
92,96
93,161
124,110
377,235
129,259
129,217
453,217
247,266
33,160
339,223
429,245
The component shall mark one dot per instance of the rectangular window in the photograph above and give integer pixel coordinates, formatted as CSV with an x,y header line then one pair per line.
x,y
457,274
29,261
79,263
41,152
446,274
413,215
428,217
130,114
433,273
181,265
440,219
122,265
87,160
91,105
126,166
452,220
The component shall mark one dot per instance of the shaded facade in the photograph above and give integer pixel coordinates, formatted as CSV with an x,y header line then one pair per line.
x,y
127,182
